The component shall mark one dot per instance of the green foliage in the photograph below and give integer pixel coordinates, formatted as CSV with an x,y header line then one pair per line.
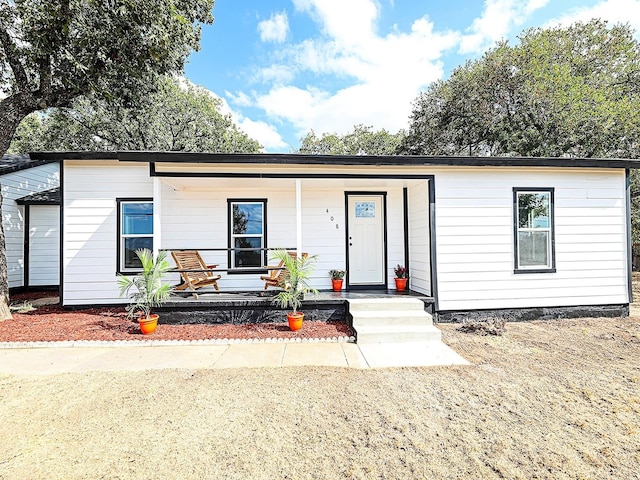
x,y
22,307
337,274
561,92
362,141
295,281
71,47
52,51
571,91
177,117
146,289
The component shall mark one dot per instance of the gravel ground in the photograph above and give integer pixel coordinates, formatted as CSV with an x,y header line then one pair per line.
x,y
547,400
52,323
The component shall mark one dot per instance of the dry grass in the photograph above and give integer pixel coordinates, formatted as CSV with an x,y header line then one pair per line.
x,y
547,400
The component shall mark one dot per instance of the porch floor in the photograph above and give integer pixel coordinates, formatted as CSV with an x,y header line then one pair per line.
x,y
210,296
210,306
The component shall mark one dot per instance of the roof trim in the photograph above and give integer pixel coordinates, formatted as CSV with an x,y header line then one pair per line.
x,y
15,163
365,160
46,197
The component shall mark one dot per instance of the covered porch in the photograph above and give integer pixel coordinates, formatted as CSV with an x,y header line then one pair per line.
x,y
330,216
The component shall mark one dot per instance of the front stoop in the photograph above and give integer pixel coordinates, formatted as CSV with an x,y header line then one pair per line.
x,y
392,320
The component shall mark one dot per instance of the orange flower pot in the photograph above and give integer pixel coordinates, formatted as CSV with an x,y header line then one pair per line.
x,y
401,284
295,320
337,284
148,325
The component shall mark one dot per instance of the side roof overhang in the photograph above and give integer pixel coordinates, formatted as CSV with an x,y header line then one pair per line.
x,y
47,197
283,159
13,163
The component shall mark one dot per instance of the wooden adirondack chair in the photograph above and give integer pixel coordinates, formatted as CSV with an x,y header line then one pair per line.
x,y
200,274
276,274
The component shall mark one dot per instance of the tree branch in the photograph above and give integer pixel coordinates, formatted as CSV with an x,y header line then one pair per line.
x,y
13,58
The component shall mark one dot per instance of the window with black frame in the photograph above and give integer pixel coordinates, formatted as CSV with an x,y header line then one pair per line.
x,y
247,233
534,230
136,232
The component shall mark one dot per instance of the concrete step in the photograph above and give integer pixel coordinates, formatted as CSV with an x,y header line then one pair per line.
x,y
379,304
397,334
392,320
395,317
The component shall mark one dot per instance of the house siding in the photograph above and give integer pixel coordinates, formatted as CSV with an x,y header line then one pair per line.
x,y
198,219
90,226
475,244
419,267
195,217
16,185
473,216
44,245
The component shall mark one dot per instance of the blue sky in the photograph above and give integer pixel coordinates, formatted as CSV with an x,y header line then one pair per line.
x,y
284,67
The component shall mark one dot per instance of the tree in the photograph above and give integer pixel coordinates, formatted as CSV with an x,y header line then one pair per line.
x,y
52,51
571,91
179,116
362,141
561,92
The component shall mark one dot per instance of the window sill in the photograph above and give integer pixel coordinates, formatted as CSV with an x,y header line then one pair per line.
x,y
534,270
247,271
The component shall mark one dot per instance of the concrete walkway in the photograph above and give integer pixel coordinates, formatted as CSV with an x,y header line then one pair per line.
x,y
125,356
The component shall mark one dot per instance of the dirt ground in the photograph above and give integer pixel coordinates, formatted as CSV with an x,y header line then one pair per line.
x,y
552,400
548,400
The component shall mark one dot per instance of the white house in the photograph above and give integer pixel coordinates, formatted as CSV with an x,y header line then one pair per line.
x,y
519,236
31,203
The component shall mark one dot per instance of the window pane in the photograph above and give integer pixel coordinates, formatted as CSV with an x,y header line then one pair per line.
x,y
131,260
247,218
533,210
137,218
533,249
248,258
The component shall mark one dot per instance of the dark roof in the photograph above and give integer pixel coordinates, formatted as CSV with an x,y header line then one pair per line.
x,y
369,160
47,197
13,163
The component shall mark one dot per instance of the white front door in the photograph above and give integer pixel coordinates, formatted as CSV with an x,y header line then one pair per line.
x,y
366,240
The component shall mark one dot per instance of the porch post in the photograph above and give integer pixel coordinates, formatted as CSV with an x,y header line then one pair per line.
x,y
298,217
157,213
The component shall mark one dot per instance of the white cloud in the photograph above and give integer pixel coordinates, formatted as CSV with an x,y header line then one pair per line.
x,y
614,11
380,74
496,22
241,99
276,73
275,29
348,22
264,133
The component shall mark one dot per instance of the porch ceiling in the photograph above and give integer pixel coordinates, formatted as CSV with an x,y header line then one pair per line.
x,y
205,184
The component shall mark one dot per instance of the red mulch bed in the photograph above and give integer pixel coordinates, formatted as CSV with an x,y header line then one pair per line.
x,y
53,323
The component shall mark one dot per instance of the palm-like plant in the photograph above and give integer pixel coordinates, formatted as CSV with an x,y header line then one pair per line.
x,y
146,289
295,281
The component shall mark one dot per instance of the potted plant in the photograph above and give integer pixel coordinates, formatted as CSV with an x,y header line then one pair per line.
x,y
337,277
146,289
294,284
402,275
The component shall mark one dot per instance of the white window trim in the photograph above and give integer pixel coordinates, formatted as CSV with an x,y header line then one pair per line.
x,y
123,236
550,229
233,236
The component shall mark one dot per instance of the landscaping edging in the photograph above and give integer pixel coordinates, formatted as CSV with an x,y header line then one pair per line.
x,y
152,343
